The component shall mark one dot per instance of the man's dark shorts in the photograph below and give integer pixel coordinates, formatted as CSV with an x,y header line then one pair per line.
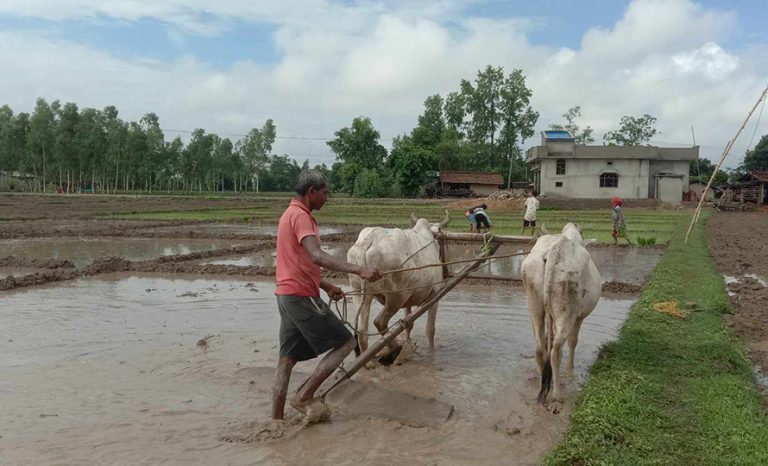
x,y
308,327
482,221
529,223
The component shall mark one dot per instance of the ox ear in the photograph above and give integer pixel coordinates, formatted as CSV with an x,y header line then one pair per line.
x,y
413,220
445,220
544,229
588,242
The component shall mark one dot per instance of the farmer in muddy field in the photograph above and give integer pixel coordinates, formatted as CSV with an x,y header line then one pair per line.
x,y
482,220
529,219
308,328
619,224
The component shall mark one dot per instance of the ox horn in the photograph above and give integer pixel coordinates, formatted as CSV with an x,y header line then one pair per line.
x,y
413,220
445,220
544,229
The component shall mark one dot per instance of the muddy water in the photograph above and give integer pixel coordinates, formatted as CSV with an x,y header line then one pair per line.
x,y
108,370
83,251
630,265
246,229
267,258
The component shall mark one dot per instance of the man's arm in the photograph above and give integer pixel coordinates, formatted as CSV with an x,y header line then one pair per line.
x,y
327,261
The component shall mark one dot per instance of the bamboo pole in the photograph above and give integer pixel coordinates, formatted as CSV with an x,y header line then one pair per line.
x,y
727,150
405,323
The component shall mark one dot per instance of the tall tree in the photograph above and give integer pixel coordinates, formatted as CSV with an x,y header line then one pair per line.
x,y
255,149
358,148
42,125
497,114
282,174
9,150
580,137
67,146
431,123
92,143
632,131
757,158
701,170
411,165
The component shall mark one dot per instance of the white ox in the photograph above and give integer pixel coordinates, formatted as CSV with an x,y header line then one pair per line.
x,y
563,286
391,249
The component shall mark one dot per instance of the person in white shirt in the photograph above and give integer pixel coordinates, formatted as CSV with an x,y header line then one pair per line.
x,y
531,206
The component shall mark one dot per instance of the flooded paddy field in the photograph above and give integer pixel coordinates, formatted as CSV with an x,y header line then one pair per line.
x,y
243,229
102,367
627,265
83,251
109,369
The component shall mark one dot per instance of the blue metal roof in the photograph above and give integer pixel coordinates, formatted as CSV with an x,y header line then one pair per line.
x,y
558,134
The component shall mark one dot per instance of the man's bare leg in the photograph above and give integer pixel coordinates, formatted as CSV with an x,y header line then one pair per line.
x,y
280,389
324,369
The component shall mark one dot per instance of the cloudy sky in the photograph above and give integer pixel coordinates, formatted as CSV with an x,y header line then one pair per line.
x,y
313,65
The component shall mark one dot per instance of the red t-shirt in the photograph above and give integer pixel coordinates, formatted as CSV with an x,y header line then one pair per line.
x,y
296,274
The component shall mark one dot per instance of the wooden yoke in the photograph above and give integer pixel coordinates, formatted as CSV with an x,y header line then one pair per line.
x,y
405,323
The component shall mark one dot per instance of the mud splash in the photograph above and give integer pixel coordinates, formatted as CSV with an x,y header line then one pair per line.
x,y
107,369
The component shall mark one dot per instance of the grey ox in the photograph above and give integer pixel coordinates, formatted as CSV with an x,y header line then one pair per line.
x,y
391,249
563,286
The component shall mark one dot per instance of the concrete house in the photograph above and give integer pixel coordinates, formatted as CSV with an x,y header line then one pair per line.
x,y
562,168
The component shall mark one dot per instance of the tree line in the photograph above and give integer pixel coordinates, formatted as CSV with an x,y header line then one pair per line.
x,y
480,126
95,150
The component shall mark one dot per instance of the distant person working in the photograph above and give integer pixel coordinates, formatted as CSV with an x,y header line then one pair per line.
x,y
482,220
529,219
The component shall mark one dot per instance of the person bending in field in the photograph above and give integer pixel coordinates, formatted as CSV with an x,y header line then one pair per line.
x,y
482,219
308,328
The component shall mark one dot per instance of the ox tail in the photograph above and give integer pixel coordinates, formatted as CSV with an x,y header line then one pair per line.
x,y
553,257
546,380
551,261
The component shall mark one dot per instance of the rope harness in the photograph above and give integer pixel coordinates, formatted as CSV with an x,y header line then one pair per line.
x,y
485,248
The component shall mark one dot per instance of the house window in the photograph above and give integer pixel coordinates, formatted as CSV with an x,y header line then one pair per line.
x,y
610,162
609,180
558,184
560,169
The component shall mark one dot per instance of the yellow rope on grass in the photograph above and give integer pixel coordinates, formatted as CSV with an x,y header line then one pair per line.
x,y
670,307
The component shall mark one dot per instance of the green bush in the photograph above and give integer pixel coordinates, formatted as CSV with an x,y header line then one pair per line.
x,y
646,242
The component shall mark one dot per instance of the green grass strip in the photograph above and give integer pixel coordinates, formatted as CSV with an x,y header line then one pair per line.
x,y
671,391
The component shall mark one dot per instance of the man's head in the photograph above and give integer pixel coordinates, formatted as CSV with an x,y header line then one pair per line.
x,y
534,193
312,188
484,206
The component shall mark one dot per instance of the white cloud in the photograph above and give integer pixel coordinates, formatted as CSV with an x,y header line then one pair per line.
x,y
665,58
709,60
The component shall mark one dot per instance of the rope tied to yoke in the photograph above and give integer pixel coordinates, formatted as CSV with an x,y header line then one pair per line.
x,y
343,313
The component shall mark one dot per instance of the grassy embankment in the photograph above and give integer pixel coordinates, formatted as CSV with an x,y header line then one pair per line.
x,y
671,390
658,224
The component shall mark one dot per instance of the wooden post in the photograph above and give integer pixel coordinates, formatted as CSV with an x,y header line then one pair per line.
x,y
403,324
443,255
727,150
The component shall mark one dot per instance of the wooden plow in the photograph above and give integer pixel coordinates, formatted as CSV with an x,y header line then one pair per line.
x,y
407,322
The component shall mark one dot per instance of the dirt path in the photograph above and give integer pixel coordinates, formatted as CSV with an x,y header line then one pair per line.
x,y
737,244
